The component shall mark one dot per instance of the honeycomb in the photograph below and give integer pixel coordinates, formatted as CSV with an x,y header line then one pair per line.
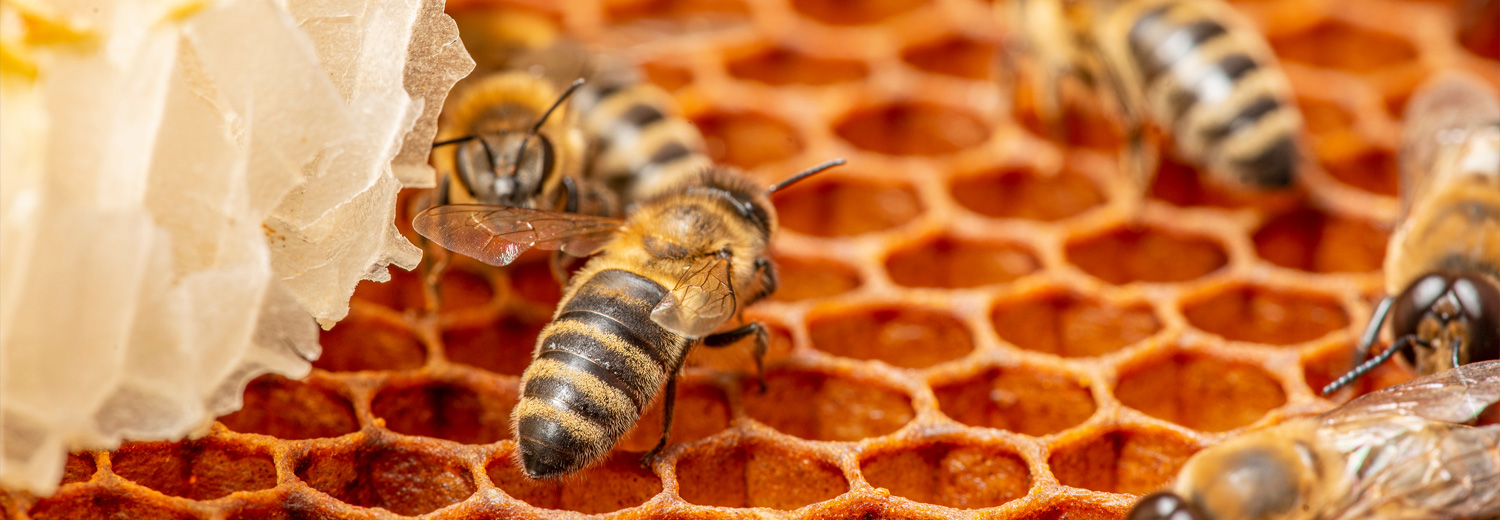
x,y
969,325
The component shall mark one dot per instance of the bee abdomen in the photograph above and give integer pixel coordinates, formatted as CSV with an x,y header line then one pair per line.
x,y
1222,97
641,141
598,365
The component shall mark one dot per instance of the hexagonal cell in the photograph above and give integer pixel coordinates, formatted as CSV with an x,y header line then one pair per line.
x,y
403,291
462,289
1145,254
200,470
782,66
833,205
701,410
898,334
1372,170
370,342
1335,44
912,128
747,139
406,480
952,474
951,262
1323,117
619,481
503,345
669,77
1026,400
1200,392
1265,315
104,503
1310,240
1122,461
809,278
289,409
1025,194
856,12
1323,367
447,410
689,13
953,56
818,406
1072,325
79,467
753,473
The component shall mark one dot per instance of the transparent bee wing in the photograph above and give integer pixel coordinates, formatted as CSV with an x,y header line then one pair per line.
x,y
496,235
1455,396
702,300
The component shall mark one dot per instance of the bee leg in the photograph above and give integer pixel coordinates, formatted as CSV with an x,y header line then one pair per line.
x,y
439,256
762,342
559,264
666,428
769,280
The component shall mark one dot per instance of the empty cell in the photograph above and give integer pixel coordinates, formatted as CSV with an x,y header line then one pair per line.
x,y
618,482
809,278
445,410
503,345
403,291
96,503
1122,461
1027,400
1146,254
1338,45
835,205
365,341
79,467
1324,117
953,474
667,76
290,409
752,473
901,335
782,66
1373,170
688,13
950,262
1323,367
912,128
1024,194
855,12
401,479
747,139
1310,240
824,407
1200,392
1072,325
953,56
1265,315
463,289
200,470
701,410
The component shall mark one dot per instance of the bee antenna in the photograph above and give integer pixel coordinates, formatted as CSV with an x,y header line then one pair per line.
x,y
1403,343
560,99
803,175
455,140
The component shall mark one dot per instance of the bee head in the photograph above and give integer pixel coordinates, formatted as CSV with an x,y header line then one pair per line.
x,y
1453,317
743,198
506,168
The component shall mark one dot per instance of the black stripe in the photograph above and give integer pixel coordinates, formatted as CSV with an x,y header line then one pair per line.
x,y
565,394
668,153
1273,166
1229,69
550,447
595,320
640,114
1245,119
1151,34
561,348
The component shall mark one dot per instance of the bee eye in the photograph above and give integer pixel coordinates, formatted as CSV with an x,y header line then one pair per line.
x,y
1164,505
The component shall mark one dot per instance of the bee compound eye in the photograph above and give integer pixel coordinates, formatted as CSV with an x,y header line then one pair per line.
x,y
1164,505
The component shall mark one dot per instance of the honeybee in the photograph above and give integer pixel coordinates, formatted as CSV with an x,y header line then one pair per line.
x,y
1404,452
677,268
1195,68
1443,262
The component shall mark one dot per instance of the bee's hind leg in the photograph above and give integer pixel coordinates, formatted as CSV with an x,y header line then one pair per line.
x,y
762,342
666,427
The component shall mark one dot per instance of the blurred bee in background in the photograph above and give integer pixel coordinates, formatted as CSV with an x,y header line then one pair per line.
x,y
1193,68
1408,451
677,268
1443,262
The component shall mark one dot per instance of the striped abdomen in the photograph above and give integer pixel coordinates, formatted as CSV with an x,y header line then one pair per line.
x,y
598,365
640,143
1218,89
